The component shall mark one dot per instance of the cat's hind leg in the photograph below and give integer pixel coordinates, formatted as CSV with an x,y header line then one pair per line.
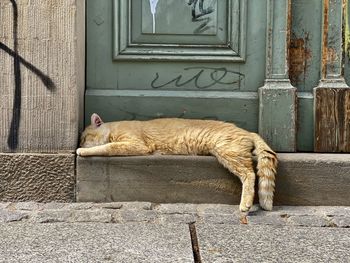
x,y
242,167
116,149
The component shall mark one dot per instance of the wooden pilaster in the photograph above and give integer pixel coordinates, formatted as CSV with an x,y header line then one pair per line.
x,y
277,111
332,96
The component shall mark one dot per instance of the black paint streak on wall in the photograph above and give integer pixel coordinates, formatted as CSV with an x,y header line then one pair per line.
x,y
47,81
12,140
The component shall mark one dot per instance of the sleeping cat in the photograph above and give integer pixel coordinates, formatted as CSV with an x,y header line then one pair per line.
x,y
233,147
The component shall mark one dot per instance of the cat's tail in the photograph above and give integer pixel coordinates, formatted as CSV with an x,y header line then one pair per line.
x,y
267,165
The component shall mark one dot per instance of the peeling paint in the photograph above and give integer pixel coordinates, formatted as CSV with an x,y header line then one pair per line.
x,y
325,38
346,28
332,56
299,57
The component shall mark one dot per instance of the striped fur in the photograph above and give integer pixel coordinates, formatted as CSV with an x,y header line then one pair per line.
x,y
232,146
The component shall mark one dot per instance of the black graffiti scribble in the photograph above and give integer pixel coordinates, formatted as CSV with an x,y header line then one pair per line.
x,y
198,17
12,139
221,76
202,11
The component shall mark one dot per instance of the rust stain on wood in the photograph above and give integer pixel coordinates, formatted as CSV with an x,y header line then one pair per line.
x,y
325,38
332,58
332,120
298,60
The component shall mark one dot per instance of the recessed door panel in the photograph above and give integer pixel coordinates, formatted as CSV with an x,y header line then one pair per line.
x,y
176,58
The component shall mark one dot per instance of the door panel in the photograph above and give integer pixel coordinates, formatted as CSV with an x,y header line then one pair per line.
x,y
194,61
179,31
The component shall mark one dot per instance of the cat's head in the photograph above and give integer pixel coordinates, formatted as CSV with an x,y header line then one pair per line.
x,y
97,133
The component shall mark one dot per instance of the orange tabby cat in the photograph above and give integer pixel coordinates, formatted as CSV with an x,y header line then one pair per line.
x,y
232,146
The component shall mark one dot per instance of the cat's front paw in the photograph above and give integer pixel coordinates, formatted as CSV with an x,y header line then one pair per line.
x,y
80,151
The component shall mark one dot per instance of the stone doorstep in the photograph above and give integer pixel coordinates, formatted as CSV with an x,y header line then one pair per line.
x,y
302,179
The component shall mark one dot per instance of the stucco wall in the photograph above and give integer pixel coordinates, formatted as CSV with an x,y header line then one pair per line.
x,y
42,57
41,74
37,177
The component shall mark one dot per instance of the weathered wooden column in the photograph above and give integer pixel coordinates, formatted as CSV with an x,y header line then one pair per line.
x,y
277,111
332,96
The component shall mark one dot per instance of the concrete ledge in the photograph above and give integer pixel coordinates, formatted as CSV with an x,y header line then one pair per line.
x,y
37,177
159,179
303,179
313,179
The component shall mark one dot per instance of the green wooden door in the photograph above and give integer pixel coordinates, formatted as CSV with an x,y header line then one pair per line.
x,y
176,58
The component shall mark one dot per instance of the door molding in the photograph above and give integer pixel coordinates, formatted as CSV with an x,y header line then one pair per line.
x,y
129,45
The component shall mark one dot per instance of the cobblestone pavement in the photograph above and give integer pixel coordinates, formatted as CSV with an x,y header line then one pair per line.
x,y
311,216
147,232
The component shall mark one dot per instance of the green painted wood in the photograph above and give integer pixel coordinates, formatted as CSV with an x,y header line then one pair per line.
x,y
305,122
305,46
277,107
305,64
220,34
137,70
240,108
194,76
277,115
277,39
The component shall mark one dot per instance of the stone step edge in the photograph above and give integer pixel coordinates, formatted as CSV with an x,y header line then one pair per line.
x,y
302,179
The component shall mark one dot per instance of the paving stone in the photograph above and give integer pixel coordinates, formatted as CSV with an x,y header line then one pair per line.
x,y
137,205
308,220
124,212
176,208
218,209
98,242
97,215
218,219
7,216
108,205
291,210
52,206
4,205
30,206
341,221
51,216
177,218
266,220
133,215
334,210
249,243
79,206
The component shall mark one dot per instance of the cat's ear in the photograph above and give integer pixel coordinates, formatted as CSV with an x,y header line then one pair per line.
x,y
96,120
